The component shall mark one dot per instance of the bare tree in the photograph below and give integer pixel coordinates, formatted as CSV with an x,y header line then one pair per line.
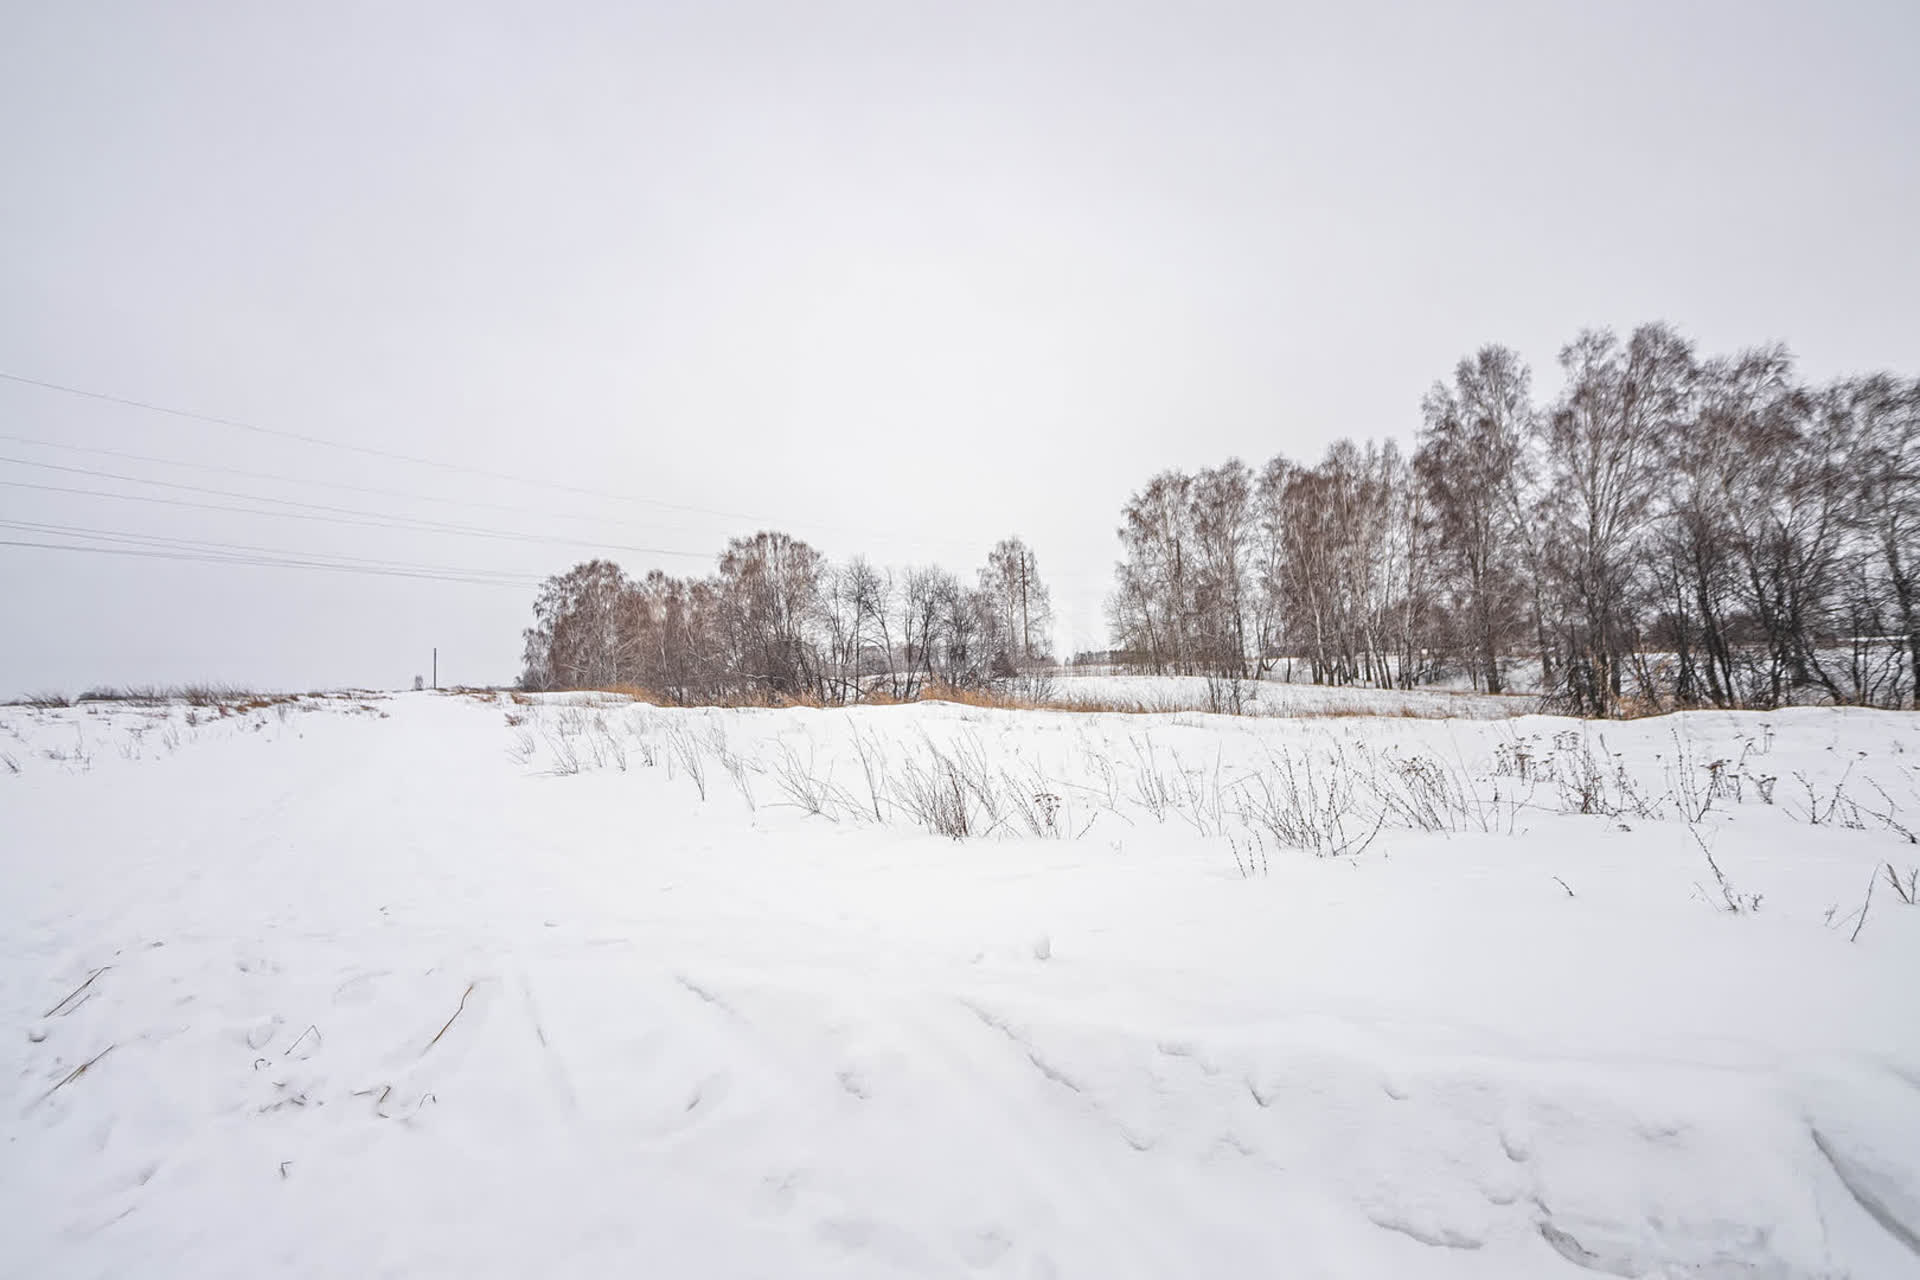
x,y
870,596
1885,462
771,589
1603,443
581,631
1021,606
1469,457
1222,519
1153,601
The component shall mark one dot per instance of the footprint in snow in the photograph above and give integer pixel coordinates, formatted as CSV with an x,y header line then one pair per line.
x,y
360,989
262,1032
984,1248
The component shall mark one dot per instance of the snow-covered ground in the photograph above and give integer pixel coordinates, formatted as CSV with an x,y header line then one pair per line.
x,y
463,986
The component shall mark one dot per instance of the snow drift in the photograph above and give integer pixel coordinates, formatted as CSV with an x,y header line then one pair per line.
x,y
441,985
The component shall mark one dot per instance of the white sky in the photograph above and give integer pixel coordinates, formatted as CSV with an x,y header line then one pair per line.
x,y
899,278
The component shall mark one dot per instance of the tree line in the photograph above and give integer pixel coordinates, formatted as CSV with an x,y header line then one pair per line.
x,y
1670,530
778,621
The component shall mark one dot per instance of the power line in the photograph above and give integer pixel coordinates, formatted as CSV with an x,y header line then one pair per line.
x,y
347,516
262,563
245,552
366,450
328,484
228,493
415,460
366,520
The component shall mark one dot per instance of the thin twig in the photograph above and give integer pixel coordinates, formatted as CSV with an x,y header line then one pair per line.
x,y
74,1074
77,990
456,1013
1564,885
1863,906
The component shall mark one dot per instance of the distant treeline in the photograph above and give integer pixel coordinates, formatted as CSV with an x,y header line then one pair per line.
x,y
778,622
1671,530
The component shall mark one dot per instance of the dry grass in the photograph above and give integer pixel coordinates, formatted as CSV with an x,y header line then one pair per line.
x,y
1400,711
74,1074
225,698
995,700
990,699
228,699
776,700
754,698
71,995
462,1008
1354,711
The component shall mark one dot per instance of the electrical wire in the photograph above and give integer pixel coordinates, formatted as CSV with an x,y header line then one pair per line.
x,y
331,484
416,460
245,551
211,558
367,520
348,515
365,450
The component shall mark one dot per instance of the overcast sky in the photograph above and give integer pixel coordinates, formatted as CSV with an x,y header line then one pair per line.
x,y
899,278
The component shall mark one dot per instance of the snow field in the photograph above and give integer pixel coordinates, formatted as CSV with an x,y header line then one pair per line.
x,y
439,985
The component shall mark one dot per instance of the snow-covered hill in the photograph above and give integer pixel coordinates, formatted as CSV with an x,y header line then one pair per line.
x,y
465,986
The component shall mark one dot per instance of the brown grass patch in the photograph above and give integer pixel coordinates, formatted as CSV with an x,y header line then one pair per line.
x,y
995,700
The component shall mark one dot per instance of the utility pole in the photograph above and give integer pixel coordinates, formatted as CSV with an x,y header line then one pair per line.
x,y
436,666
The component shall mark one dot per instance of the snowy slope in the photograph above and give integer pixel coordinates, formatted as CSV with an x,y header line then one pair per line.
x,y
454,986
